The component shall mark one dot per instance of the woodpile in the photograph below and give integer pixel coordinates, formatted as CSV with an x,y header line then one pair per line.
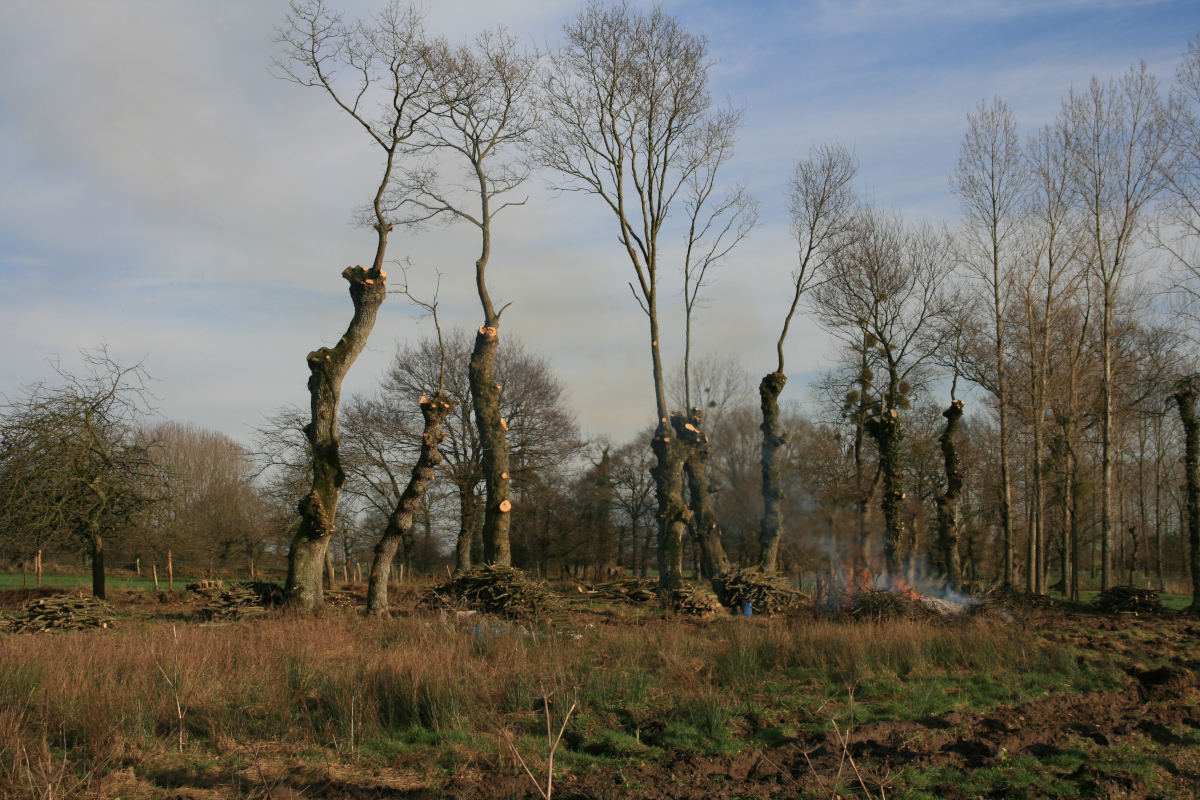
x,y
240,601
70,613
493,589
691,601
201,586
878,605
768,594
1117,599
633,590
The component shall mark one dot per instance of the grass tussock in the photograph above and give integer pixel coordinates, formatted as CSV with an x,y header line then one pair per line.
x,y
97,701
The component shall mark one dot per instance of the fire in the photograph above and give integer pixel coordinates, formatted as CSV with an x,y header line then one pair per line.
x,y
859,580
904,589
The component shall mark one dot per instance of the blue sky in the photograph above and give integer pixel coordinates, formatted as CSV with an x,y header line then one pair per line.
x,y
160,191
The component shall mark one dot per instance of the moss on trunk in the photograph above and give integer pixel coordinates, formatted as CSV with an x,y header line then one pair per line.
x,y
947,502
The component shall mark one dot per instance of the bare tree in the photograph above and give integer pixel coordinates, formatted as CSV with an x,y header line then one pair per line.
x,y
384,61
889,284
822,204
484,110
1121,159
989,182
630,120
72,460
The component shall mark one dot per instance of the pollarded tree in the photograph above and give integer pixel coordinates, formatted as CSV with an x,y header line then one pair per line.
x,y
74,462
629,119
483,109
889,285
822,205
382,61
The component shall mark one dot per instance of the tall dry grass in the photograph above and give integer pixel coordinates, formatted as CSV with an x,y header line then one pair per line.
x,y
91,701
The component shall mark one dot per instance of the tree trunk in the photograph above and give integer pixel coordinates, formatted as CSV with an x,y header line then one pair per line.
x,y
947,503
400,522
97,543
493,444
714,563
328,366
673,515
774,439
1185,398
887,433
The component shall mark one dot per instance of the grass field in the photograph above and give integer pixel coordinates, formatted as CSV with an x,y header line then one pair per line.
x,y
422,705
14,580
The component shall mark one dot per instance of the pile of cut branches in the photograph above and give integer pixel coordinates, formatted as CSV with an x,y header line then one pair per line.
x,y
768,594
633,590
1117,599
235,603
69,613
493,589
877,605
690,601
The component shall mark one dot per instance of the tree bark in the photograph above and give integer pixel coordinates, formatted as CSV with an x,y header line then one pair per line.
x,y
328,367
493,443
97,543
714,562
888,433
466,528
774,440
947,503
1185,398
400,522
673,515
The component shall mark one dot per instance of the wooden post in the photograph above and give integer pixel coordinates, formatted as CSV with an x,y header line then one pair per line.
x,y
155,565
39,569
402,573
170,573
345,572
138,565
357,572
24,574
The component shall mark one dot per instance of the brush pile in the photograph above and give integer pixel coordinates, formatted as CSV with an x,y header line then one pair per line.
x,y
493,589
634,590
1117,599
70,613
877,605
238,602
1006,603
690,601
768,594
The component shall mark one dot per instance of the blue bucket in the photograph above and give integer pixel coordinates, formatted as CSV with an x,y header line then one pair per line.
x,y
747,609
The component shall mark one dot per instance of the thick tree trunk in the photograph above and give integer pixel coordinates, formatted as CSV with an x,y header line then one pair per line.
x,y
97,543
400,522
714,562
774,440
1185,398
466,528
887,433
947,503
328,366
673,515
1106,456
493,443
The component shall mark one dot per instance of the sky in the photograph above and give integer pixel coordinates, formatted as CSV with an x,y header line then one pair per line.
x,y
163,194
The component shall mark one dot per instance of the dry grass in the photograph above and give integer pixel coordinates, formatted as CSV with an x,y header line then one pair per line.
x,y
78,705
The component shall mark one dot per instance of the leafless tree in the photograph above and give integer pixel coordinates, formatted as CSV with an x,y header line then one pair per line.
x,y
72,462
630,120
889,285
1121,159
381,61
990,182
822,204
484,110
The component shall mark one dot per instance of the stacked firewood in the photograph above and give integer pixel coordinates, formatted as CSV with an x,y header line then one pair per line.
x,y
768,594
1128,598
69,613
494,589
691,601
235,603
